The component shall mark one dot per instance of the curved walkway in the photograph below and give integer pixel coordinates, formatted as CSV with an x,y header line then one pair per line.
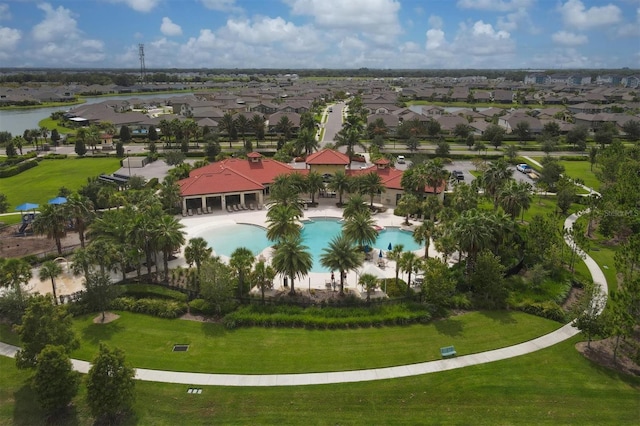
x,y
203,379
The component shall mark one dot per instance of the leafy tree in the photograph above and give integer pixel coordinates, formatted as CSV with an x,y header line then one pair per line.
x,y
511,151
125,134
551,172
292,259
217,284
110,384
263,276
523,131
410,263
100,291
565,198
212,149
552,129
173,158
152,134
50,270
433,127
462,131
257,125
54,382
119,149
407,205
487,281
577,135
55,137
470,140
10,150
80,147
412,144
588,310
341,256
43,324
4,203
443,148
438,285
494,135
285,127
604,135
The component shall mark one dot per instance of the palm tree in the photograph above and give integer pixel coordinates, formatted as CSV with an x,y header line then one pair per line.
x,y
81,210
51,270
360,229
435,173
409,262
285,127
282,222
407,205
170,194
14,272
369,282
340,183
81,260
52,222
306,142
314,184
263,275
292,259
355,205
415,180
423,233
515,197
431,206
165,129
197,252
494,178
257,125
371,184
241,260
396,254
228,125
342,256
242,125
168,237
350,138
473,233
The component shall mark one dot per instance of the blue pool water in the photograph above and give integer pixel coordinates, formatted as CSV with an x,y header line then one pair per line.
x,y
316,235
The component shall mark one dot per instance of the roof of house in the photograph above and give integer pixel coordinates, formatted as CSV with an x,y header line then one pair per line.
x,y
328,157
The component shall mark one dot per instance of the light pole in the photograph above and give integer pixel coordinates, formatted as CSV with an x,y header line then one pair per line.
x,y
129,161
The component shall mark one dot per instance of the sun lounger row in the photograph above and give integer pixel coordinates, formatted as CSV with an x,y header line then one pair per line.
x,y
199,210
242,207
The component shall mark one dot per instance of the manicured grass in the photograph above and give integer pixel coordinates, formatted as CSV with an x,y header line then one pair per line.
x,y
582,170
51,124
552,386
603,254
149,342
41,183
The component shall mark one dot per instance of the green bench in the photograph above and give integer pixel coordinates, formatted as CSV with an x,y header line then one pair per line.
x,y
447,351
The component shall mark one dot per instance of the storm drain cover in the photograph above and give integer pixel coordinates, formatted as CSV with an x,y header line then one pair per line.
x,y
194,390
180,348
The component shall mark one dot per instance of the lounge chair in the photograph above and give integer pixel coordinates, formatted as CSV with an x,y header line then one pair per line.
x,y
305,206
209,209
243,207
236,208
251,206
259,206
199,210
190,212
184,213
229,209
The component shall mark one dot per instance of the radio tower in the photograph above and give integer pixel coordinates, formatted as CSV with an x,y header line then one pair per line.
x,y
143,70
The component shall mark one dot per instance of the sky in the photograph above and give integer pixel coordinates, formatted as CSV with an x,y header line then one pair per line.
x,y
340,34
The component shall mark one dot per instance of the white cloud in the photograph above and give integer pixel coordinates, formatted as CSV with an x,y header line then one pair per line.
x,y
374,17
435,21
139,5
5,14
263,31
576,15
168,28
221,5
435,39
9,38
631,29
567,38
59,42
494,5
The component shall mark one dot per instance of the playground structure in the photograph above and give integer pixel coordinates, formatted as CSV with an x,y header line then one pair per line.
x,y
27,219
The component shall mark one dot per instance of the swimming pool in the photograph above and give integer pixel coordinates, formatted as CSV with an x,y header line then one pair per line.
x,y
316,234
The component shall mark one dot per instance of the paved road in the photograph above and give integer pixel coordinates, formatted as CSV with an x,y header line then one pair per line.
x,y
333,123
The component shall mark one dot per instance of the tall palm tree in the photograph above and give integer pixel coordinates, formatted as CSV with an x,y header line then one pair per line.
x,y
396,254
242,125
168,237
81,261
52,222
165,130
257,125
349,137
409,262
170,194
81,210
423,233
494,178
263,276
292,259
340,183
515,197
415,180
284,126
360,229
241,260
197,251
431,206
51,270
282,222
228,125
371,184
306,142
342,256
436,174
355,205
473,233
314,184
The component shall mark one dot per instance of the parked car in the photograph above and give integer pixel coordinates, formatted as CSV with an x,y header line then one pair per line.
x,y
524,168
458,175
401,159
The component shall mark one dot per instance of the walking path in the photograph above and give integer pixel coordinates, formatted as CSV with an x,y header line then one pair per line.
x,y
202,379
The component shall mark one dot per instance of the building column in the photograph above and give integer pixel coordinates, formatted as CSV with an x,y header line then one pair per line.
x,y
223,202
204,203
242,198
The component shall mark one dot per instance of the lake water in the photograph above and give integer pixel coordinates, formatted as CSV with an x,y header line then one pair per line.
x,y
16,121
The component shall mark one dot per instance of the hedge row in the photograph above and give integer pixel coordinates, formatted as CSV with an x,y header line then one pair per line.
x,y
142,291
156,307
550,310
325,318
17,169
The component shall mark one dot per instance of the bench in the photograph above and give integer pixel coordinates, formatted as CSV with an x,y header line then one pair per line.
x,y
447,351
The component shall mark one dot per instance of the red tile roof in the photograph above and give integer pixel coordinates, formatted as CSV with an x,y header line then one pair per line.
x,y
391,178
233,175
328,157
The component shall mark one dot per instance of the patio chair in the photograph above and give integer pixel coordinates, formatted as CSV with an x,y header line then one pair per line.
x,y
199,210
251,206
235,208
229,209
190,212
259,206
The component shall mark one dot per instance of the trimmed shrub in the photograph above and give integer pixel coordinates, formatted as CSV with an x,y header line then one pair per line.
x,y
141,291
550,310
156,307
17,169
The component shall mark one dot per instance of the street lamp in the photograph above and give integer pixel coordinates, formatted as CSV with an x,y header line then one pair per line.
x,y
129,162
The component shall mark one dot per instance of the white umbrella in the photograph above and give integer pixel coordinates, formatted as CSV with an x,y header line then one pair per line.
x,y
372,269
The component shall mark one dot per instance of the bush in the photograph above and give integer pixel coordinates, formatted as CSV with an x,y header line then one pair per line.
x,y
55,156
17,169
201,307
141,291
549,310
156,307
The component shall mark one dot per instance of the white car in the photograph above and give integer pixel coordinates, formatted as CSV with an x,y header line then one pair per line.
x,y
524,168
401,159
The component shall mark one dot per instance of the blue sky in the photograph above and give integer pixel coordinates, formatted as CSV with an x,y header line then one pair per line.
x,y
321,33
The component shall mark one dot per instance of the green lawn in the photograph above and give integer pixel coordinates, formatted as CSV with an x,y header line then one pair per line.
x,y
581,170
41,183
149,341
552,386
